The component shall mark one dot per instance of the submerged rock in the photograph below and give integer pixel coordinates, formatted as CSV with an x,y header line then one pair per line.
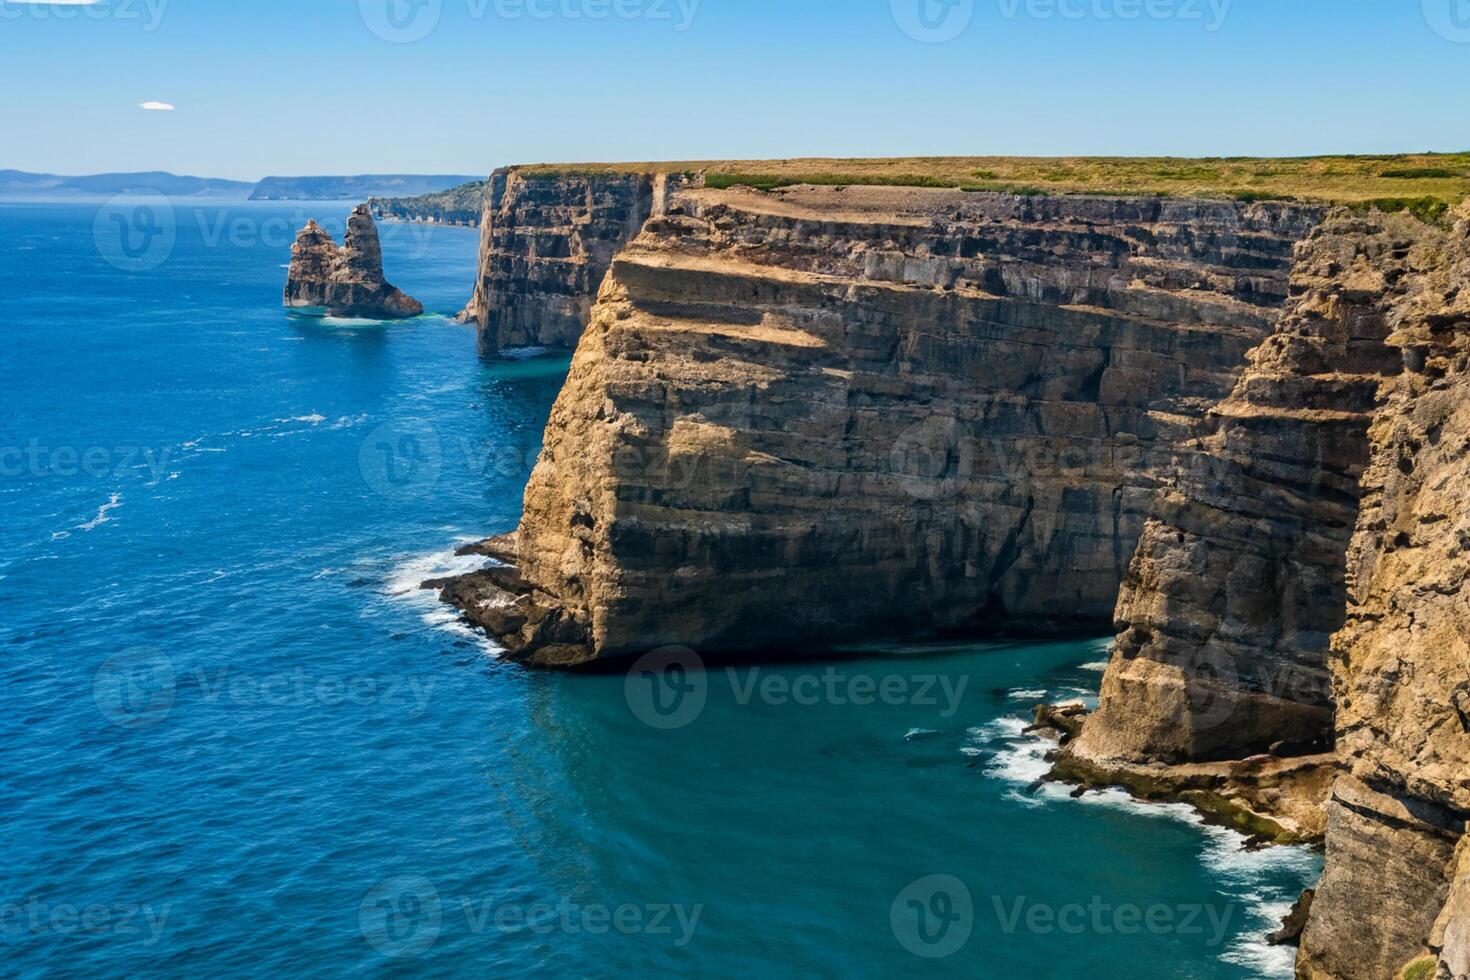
x,y
347,280
1295,922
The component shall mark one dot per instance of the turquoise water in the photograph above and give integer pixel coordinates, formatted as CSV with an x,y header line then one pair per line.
x,y
238,740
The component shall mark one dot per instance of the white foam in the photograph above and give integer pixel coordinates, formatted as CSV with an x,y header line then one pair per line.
x,y
113,503
1028,694
914,733
1242,874
523,353
311,419
405,585
1019,760
350,321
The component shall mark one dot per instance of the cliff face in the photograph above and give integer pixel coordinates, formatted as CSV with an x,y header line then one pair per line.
x,y
1394,884
546,243
345,281
1237,585
830,413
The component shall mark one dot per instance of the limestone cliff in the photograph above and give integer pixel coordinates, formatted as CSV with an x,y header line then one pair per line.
x,y
1394,885
346,280
1237,585
1237,431
546,242
828,412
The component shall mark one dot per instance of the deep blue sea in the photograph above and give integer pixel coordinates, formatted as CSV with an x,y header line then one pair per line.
x,y
236,740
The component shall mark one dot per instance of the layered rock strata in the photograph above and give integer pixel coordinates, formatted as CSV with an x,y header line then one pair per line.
x,y
828,413
347,280
1395,884
546,243
1236,588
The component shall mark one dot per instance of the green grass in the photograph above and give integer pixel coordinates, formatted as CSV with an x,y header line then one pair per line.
x,y
1426,184
1420,173
1423,968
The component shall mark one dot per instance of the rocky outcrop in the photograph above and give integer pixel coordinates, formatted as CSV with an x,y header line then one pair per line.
x,y
832,413
1395,884
346,280
1236,588
546,242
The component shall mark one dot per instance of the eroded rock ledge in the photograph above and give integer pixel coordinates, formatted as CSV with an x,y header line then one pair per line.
x,y
822,413
344,281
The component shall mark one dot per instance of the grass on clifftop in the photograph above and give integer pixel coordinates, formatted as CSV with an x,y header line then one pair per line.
x,y
1427,184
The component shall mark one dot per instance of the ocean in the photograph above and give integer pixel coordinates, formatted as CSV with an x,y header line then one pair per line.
x,y
238,739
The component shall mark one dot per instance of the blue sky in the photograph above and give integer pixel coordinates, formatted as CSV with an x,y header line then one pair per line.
x,y
340,86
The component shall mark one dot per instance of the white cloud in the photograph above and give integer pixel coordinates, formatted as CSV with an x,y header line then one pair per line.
x,y
156,106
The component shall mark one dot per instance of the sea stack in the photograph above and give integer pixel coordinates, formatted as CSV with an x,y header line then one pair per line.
x,y
348,280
